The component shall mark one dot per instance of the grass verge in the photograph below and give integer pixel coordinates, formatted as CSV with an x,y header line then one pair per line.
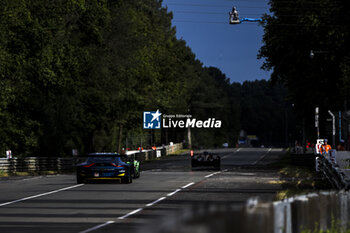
x,y
335,228
296,179
179,152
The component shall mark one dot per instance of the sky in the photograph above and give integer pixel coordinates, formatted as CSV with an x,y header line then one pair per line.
x,y
203,24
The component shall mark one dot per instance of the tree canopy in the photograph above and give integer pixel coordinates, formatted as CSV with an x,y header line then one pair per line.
x,y
79,74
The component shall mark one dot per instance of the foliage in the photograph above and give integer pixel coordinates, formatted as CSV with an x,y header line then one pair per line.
x,y
78,74
336,227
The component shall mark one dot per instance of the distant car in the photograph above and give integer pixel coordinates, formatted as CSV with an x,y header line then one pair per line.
x,y
241,142
205,160
105,166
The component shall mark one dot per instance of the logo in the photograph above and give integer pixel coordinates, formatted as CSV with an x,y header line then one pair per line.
x,y
191,123
151,120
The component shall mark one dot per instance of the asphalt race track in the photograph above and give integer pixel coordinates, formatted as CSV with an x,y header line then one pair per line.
x,y
165,188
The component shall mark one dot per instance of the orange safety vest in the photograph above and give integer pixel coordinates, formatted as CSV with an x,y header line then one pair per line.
x,y
325,148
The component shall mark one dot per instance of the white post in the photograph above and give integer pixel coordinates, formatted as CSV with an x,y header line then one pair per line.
x,y
317,125
333,128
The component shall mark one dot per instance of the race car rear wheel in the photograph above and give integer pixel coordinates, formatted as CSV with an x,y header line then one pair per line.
x,y
134,176
127,180
80,180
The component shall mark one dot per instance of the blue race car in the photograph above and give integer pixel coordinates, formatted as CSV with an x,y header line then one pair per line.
x,y
105,166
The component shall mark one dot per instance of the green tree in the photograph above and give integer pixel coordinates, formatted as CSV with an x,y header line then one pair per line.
x,y
292,31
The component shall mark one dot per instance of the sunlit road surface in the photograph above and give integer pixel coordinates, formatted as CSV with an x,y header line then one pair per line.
x,y
57,204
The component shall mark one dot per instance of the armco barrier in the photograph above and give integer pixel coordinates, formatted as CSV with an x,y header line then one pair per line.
x,y
313,212
36,164
331,171
39,164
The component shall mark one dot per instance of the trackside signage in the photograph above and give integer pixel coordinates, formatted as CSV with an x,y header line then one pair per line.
x,y
155,120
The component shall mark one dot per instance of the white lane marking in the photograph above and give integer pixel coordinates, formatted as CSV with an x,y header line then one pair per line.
x,y
34,178
238,150
131,213
170,194
207,176
187,185
156,201
38,177
40,195
97,227
262,157
138,210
